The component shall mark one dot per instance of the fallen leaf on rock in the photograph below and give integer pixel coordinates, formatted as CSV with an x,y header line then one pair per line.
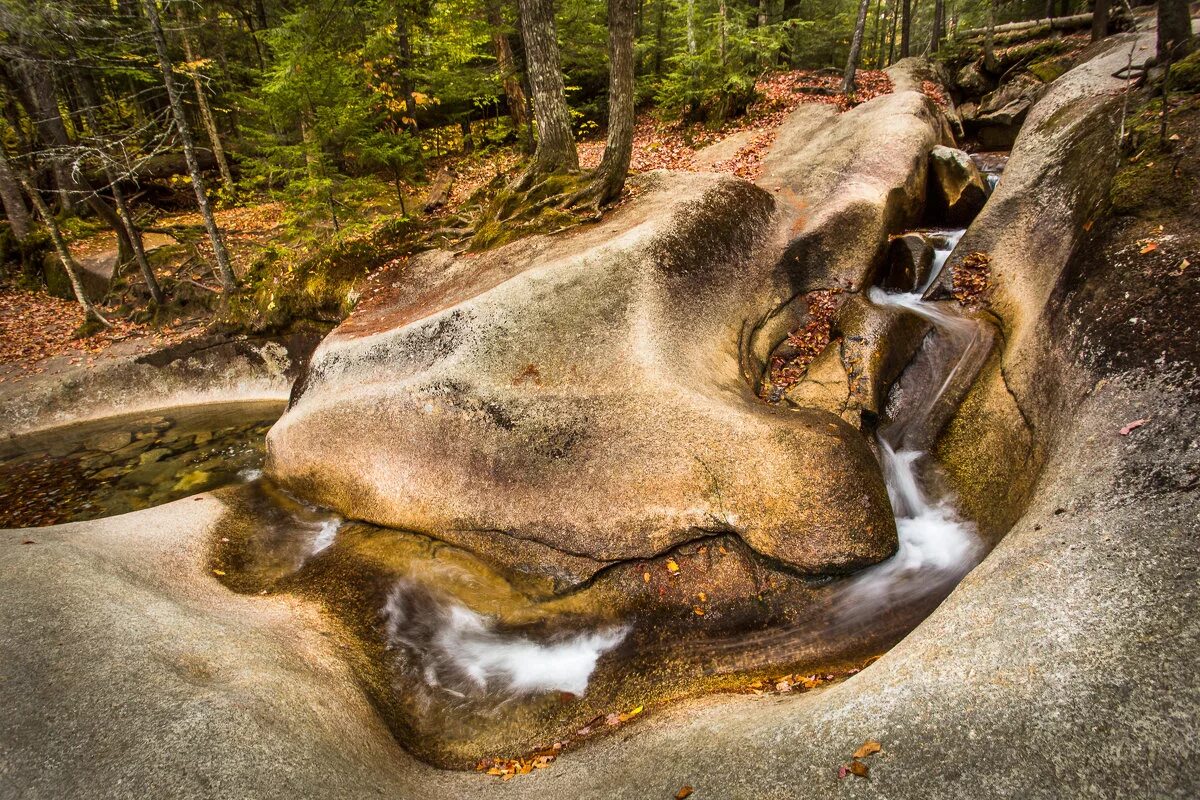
x,y
1150,247
29,541
1132,426
684,791
645,577
631,714
869,747
672,566
860,769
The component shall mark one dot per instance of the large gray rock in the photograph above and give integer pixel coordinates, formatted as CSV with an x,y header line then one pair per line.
x,y
580,392
594,393
1062,666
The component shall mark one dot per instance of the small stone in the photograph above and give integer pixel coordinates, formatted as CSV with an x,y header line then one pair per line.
x,y
151,456
109,441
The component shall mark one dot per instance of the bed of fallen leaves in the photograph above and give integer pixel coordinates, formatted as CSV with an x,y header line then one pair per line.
x,y
971,278
673,145
803,344
35,326
934,92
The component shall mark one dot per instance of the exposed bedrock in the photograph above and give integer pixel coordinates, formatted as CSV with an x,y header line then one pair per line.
x,y
1054,187
565,402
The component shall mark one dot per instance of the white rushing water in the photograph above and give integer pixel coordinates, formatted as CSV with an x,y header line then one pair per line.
x,y
461,652
933,539
941,252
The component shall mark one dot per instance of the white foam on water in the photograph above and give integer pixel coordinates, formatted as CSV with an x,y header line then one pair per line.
x,y
518,664
460,651
326,533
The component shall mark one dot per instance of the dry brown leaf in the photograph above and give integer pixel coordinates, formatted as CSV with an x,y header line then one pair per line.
x,y
1132,426
1149,248
858,768
684,791
868,748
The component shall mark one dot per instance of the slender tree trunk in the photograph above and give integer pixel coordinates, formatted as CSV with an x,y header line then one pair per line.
x,y
891,56
905,28
405,59
91,103
1100,19
19,221
762,13
514,95
855,47
876,27
206,115
691,28
555,141
49,128
939,26
618,148
1175,38
64,254
225,269
723,31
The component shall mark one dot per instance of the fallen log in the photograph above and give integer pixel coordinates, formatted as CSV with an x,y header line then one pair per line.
x,y
1072,23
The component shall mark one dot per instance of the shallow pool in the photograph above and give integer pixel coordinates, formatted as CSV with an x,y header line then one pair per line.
x,y
120,464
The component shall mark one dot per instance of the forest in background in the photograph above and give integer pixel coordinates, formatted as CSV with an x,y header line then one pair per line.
x,y
334,113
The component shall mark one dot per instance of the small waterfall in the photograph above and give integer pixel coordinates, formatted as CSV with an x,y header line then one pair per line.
x,y
934,542
947,241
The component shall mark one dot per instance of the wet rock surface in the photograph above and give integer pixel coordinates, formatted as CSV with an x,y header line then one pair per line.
x,y
1077,662
957,190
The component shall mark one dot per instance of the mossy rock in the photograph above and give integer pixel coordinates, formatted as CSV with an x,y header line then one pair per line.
x,y
281,292
495,233
1185,76
1050,68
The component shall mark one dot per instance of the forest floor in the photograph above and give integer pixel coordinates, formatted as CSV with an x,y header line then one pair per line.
x,y
37,330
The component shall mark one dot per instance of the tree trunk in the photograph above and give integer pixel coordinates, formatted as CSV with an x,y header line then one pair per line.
x,y
762,13
855,47
405,60
555,142
905,28
514,95
206,115
891,52
91,103
225,269
939,26
876,29
723,41
1175,38
49,127
1100,19
64,254
19,221
618,147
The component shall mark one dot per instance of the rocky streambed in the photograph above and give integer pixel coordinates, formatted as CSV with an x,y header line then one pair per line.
x,y
120,464
556,498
